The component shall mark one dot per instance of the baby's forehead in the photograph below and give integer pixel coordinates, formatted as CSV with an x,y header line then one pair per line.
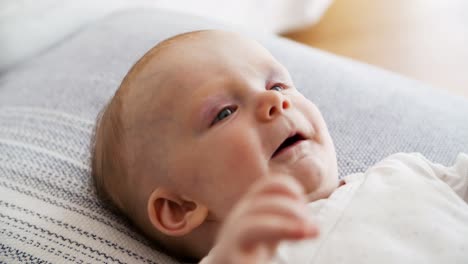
x,y
193,60
211,50
168,72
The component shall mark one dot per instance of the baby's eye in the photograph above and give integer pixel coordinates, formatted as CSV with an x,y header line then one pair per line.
x,y
277,87
225,112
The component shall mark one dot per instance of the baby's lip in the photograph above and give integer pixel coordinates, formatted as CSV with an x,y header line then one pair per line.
x,y
292,139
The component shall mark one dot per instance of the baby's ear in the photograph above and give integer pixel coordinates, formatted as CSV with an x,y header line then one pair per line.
x,y
174,215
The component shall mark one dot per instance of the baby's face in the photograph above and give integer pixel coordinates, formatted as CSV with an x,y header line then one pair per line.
x,y
236,117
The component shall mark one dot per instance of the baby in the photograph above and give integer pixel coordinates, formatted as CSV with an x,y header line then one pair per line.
x,y
211,151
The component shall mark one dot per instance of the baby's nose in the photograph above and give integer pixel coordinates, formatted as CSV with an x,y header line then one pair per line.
x,y
270,105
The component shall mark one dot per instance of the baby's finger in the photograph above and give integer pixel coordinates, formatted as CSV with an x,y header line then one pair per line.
x,y
269,229
278,206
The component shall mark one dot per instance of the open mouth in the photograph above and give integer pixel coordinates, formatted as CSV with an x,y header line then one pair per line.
x,y
289,142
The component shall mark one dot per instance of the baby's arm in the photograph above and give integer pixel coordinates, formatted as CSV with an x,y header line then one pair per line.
x,y
455,176
272,210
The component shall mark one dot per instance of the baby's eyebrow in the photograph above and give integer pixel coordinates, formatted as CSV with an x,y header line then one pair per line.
x,y
277,73
208,106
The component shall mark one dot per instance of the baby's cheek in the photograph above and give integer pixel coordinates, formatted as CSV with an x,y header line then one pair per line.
x,y
245,155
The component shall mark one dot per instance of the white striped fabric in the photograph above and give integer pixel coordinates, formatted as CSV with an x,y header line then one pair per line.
x,y
48,209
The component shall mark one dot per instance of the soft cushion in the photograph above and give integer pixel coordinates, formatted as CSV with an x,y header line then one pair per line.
x,y
48,104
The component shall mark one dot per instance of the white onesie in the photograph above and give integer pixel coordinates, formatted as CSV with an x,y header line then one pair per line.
x,y
404,209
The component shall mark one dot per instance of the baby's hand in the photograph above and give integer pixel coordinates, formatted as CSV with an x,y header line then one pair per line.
x,y
271,211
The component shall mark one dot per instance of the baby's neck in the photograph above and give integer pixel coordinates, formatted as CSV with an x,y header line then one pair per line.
x,y
323,195
202,239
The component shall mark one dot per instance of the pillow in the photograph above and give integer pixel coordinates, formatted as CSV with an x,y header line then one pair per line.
x,y
48,208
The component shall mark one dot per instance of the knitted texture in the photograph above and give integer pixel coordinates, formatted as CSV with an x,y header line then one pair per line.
x,y
49,212
48,208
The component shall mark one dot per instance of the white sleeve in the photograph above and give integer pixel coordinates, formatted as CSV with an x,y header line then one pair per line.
x,y
455,176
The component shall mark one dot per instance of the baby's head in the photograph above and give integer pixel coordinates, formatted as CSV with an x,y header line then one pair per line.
x,y
195,122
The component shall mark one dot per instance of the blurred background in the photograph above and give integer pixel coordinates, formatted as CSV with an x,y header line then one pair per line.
x,y
422,39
